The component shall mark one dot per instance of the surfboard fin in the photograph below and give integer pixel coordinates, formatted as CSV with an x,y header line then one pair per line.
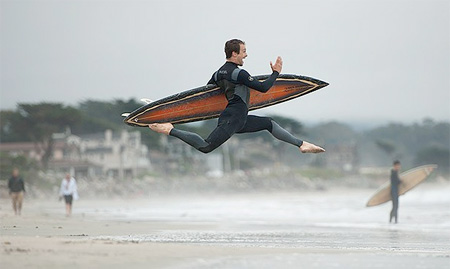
x,y
126,114
146,100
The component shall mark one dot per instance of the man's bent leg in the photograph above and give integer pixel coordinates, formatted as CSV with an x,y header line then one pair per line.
x,y
230,121
215,139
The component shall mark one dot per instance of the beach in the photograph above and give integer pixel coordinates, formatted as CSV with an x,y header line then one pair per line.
x,y
297,229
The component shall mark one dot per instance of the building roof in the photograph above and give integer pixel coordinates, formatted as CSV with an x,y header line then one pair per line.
x,y
27,146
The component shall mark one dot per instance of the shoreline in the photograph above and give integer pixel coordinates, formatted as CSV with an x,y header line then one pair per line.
x,y
257,230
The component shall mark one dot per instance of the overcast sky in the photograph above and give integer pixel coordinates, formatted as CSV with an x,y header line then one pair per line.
x,y
384,60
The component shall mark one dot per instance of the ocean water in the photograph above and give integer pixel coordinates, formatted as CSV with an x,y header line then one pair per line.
x,y
322,229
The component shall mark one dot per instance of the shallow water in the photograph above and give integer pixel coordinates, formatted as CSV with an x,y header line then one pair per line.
x,y
334,227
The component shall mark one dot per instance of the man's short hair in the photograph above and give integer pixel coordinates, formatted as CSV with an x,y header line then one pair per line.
x,y
396,162
233,45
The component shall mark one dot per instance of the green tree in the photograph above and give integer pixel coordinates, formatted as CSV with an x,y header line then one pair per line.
x,y
7,163
97,116
8,120
40,121
435,155
387,147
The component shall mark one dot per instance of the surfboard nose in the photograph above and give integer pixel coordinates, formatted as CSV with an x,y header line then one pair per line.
x,y
318,82
132,120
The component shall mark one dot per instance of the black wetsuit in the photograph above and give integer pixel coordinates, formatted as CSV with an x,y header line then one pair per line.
x,y
236,84
395,180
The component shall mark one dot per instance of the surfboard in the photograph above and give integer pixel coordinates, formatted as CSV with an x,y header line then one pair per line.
x,y
409,180
209,101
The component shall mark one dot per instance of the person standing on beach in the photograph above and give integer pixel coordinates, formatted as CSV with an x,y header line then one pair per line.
x,y
69,191
236,84
395,181
16,188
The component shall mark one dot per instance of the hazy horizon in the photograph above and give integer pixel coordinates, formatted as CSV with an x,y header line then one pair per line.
x,y
385,61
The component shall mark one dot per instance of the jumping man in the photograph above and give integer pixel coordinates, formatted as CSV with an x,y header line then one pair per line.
x,y
236,84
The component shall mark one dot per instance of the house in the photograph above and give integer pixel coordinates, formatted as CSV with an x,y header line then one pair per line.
x,y
119,155
342,157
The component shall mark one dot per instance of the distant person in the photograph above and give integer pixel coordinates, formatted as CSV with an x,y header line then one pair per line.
x,y
16,188
236,84
69,192
395,181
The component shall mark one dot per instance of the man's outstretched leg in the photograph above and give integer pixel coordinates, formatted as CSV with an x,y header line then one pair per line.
x,y
256,123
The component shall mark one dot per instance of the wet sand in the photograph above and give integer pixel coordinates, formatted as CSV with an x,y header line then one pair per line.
x,y
329,229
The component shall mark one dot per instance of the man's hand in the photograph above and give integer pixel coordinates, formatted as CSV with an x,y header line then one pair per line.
x,y
277,66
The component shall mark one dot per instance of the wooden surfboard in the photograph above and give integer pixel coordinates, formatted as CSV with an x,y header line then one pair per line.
x,y
409,180
209,101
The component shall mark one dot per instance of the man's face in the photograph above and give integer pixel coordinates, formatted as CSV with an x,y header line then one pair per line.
x,y
15,173
397,167
242,55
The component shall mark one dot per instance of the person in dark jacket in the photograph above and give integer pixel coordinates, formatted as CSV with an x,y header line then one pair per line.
x,y
395,181
16,188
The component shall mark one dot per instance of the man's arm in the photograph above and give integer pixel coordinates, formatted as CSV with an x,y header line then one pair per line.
x,y
245,78
211,81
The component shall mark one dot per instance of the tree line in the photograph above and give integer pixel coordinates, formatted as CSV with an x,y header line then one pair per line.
x,y
418,143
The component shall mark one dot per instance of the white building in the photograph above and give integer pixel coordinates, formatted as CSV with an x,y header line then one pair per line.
x,y
118,154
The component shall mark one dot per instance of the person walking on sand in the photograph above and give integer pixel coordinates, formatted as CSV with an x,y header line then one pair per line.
x,y
236,84
69,192
395,181
16,187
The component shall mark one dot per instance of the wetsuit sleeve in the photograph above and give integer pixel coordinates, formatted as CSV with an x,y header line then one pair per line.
x,y
212,80
245,78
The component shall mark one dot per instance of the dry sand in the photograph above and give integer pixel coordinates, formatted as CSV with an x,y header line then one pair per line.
x,y
37,240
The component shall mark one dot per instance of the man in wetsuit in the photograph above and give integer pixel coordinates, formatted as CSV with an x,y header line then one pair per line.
x,y
236,84
395,180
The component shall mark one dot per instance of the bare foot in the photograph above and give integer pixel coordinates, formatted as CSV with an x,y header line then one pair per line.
x,y
307,147
163,128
